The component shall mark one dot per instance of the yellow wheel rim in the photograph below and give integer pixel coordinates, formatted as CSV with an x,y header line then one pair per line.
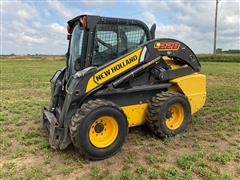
x,y
103,131
175,116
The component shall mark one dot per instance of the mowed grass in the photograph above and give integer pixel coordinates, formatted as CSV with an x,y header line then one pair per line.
x,y
209,149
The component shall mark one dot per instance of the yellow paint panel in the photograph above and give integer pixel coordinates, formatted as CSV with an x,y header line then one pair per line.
x,y
114,69
171,63
106,136
193,87
135,114
91,85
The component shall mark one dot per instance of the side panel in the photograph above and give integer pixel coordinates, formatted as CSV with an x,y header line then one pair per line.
x,y
194,87
114,69
135,114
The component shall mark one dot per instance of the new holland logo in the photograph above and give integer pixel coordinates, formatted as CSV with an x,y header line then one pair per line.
x,y
112,70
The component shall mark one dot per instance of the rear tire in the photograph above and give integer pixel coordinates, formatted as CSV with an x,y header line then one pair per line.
x,y
168,114
98,130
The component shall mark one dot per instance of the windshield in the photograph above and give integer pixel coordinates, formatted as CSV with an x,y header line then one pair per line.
x,y
76,47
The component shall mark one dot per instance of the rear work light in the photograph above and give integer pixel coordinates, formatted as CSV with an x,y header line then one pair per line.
x,y
69,29
83,22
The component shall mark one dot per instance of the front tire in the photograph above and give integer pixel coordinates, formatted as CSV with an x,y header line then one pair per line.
x,y
98,130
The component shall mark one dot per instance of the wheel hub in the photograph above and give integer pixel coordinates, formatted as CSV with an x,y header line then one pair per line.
x,y
99,128
174,116
169,114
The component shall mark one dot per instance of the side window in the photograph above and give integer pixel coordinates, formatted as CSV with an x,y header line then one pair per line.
x,y
105,44
135,36
112,41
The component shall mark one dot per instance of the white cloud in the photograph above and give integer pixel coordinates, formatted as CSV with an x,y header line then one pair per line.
x,y
24,38
24,14
100,3
149,18
69,10
57,28
30,39
21,26
231,19
28,32
67,13
193,21
22,10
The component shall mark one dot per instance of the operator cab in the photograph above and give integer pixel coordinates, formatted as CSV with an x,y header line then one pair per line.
x,y
95,40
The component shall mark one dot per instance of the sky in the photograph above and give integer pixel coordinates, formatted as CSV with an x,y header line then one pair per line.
x,y
39,27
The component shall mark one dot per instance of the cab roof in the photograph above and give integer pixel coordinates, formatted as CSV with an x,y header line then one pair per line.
x,y
92,20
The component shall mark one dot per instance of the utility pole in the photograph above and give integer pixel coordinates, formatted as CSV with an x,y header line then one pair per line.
x,y
215,28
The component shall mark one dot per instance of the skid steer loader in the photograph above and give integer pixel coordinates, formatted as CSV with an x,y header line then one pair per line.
x,y
118,75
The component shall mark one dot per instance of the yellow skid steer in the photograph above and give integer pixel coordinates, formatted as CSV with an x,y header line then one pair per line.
x,y
118,75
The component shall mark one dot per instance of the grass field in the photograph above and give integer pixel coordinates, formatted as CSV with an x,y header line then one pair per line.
x,y
210,149
219,57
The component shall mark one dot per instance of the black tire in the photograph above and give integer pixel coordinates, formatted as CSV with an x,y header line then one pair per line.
x,y
159,110
82,122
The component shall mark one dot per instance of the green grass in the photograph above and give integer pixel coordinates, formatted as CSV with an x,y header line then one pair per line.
x,y
209,149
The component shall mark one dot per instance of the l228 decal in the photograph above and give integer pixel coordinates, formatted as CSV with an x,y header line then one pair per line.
x,y
166,46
